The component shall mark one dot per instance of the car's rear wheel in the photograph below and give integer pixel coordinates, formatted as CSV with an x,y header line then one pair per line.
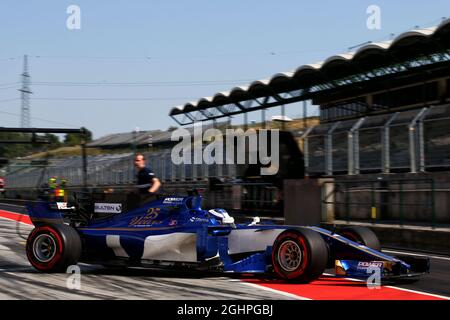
x,y
299,255
52,248
363,236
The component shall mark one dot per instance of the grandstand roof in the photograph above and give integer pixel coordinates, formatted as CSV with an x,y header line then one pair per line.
x,y
409,50
141,138
124,139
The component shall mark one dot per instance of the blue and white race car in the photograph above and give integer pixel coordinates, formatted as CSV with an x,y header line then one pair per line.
x,y
174,231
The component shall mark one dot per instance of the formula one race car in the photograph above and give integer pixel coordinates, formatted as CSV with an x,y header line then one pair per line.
x,y
176,231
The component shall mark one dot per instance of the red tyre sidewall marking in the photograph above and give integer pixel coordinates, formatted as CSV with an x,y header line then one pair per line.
x,y
297,238
55,235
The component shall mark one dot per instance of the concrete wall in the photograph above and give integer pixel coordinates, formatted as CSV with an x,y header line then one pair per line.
x,y
302,201
409,238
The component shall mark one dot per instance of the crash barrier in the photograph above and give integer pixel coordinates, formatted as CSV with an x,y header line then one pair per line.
x,y
408,141
414,238
435,240
384,199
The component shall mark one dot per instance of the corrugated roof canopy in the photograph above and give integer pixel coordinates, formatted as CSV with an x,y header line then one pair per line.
x,y
371,61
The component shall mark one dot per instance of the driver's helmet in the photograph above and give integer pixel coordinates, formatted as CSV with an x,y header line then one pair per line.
x,y
222,215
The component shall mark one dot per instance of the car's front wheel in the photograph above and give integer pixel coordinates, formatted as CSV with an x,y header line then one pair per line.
x,y
53,247
299,255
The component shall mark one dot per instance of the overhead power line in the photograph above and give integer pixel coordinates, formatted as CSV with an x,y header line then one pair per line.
x,y
10,87
170,57
143,84
9,84
8,100
40,119
111,99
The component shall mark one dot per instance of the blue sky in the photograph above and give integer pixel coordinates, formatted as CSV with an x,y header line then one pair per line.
x,y
172,44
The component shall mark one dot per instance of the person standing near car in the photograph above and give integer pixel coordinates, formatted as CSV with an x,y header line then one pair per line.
x,y
147,182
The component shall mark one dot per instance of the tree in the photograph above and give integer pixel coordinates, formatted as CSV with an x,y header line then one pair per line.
x,y
53,139
72,139
14,150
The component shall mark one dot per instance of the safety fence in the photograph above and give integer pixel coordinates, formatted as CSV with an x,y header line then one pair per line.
x,y
409,141
115,169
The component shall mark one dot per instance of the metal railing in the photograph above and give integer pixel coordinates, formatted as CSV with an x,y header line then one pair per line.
x,y
113,170
393,200
410,141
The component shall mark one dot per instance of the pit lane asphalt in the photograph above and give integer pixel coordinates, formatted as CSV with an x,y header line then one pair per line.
x,y
18,280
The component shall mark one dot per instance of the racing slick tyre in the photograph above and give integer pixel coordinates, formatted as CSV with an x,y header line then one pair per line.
x,y
53,247
299,255
363,236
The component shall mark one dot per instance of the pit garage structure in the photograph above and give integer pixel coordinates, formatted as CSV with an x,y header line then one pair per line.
x,y
375,84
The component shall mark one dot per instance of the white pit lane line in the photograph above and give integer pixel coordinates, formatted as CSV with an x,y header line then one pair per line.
x,y
286,294
21,222
420,292
397,288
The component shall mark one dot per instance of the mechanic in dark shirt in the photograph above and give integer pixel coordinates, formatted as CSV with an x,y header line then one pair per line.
x,y
147,182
